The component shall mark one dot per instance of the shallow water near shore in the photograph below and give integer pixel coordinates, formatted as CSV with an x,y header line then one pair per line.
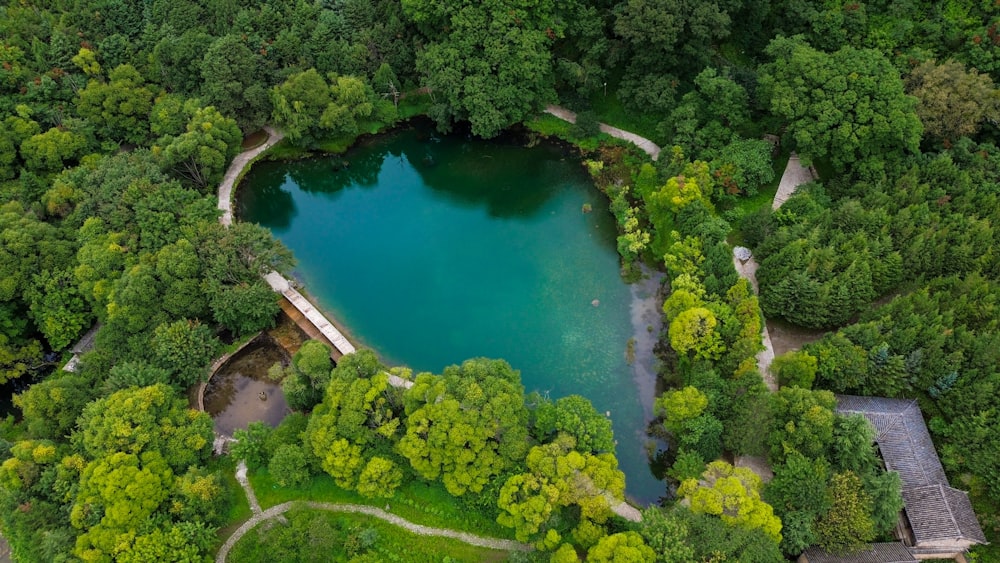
x,y
432,249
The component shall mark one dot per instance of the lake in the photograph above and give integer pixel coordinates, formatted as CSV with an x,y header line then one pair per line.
x,y
431,249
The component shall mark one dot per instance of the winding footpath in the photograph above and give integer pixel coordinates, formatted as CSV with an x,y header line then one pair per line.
x,y
236,168
649,147
279,510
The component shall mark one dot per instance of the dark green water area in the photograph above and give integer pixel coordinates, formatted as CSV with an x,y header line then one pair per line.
x,y
432,249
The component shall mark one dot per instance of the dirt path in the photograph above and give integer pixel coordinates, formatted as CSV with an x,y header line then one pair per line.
x,y
277,512
235,168
650,148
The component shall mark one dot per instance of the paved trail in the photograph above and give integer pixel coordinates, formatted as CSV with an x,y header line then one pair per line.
x,y
237,166
277,512
794,176
651,148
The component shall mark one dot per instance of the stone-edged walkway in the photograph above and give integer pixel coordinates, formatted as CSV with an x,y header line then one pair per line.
x,y
649,147
278,282
281,285
236,167
277,511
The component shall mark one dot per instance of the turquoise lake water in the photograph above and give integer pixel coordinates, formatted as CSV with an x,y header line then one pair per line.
x,y
432,249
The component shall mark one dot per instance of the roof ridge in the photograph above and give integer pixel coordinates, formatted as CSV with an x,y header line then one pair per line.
x,y
951,514
913,445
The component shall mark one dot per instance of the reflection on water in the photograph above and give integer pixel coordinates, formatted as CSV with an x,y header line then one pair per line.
x,y
233,395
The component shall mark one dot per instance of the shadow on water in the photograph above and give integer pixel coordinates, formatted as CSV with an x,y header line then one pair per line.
x,y
233,394
494,179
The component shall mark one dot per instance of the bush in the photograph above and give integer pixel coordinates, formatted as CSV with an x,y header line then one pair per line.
x,y
795,369
586,125
288,466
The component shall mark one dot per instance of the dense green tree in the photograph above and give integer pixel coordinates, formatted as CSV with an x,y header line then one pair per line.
x,y
560,476
299,102
200,155
119,107
231,82
952,102
489,63
50,408
288,466
251,444
119,492
623,547
795,369
177,59
245,308
178,543
848,106
466,426
693,331
803,422
146,419
678,406
58,309
847,526
799,496
666,535
185,348
671,34
733,494
51,150
576,416
135,374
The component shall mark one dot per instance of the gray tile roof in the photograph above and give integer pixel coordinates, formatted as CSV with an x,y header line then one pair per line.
x,y
876,553
936,511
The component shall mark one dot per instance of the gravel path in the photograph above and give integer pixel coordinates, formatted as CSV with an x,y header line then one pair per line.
x,y
651,148
235,168
277,511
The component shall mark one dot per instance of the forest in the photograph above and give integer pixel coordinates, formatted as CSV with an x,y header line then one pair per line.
x,y
118,119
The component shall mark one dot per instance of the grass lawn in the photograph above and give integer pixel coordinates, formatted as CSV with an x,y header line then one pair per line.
x,y
422,503
332,532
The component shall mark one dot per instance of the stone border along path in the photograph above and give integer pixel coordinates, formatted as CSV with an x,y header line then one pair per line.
x,y
277,512
794,176
649,147
277,282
